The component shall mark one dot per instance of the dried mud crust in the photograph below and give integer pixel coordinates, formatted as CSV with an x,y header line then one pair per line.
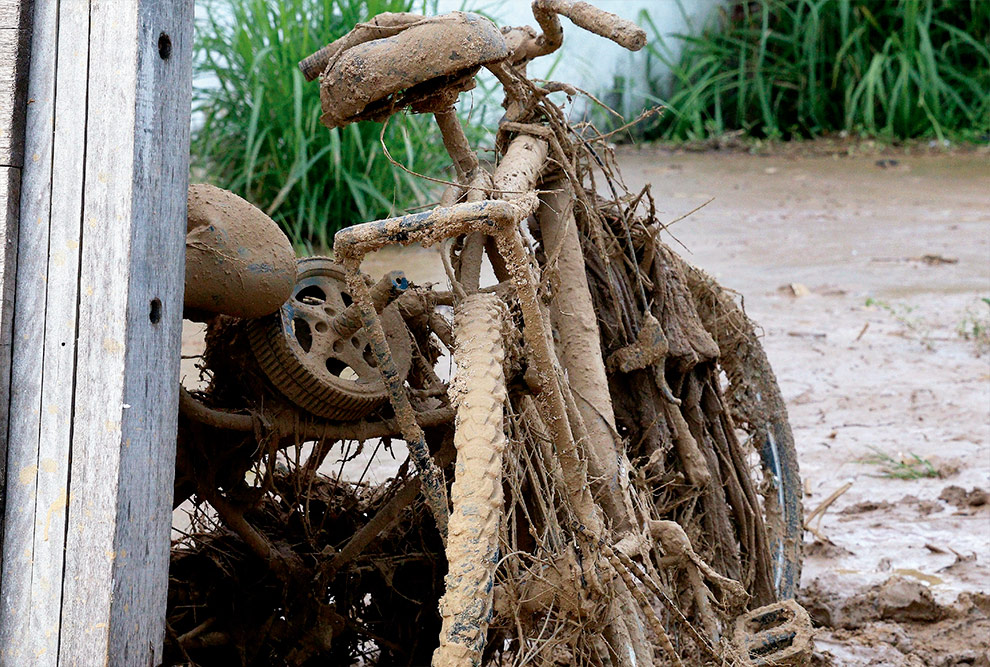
x,y
238,261
898,621
478,393
547,582
305,358
574,586
227,607
425,65
677,423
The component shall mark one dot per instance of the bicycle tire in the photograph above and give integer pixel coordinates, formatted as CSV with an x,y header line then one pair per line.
x,y
479,394
757,406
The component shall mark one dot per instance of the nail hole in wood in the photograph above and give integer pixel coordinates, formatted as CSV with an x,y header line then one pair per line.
x,y
156,311
164,46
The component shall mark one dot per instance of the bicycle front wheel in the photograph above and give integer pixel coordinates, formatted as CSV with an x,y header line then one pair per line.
x,y
478,391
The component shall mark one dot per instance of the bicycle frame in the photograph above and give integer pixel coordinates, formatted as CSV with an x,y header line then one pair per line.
x,y
498,219
490,217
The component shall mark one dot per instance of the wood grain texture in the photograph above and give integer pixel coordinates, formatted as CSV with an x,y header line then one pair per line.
x,y
10,195
14,56
26,351
96,364
59,341
126,398
10,13
15,36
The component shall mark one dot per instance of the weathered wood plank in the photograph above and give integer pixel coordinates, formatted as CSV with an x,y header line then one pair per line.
x,y
16,574
14,44
10,13
98,321
127,368
10,195
59,342
15,38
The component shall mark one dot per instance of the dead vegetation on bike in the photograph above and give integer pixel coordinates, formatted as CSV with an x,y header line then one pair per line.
x,y
624,488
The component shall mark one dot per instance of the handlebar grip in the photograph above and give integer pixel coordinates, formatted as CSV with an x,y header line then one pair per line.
x,y
606,24
313,65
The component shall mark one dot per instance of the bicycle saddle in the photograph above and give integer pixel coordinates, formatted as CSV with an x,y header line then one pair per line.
x,y
423,66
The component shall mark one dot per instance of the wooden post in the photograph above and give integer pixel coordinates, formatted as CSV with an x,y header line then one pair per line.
x,y
15,35
96,333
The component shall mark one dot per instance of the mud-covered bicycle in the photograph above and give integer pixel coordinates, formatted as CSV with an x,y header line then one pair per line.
x,y
625,488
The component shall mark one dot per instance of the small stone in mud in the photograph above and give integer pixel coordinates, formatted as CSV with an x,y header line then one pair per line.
x,y
946,468
925,507
977,498
977,604
901,599
954,495
796,290
958,496
820,549
936,260
866,506
830,609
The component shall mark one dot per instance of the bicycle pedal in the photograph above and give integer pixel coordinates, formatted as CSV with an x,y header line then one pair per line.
x,y
776,634
650,348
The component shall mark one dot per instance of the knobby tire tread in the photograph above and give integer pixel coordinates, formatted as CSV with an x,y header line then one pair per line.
x,y
479,393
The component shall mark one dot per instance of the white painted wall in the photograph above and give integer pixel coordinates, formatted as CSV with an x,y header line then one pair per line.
x,y
589,61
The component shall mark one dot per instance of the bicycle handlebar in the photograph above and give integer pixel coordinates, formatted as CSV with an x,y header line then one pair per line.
x,y
430,227
606,24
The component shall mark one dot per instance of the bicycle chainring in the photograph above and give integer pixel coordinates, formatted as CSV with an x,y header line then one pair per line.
x,y
309,363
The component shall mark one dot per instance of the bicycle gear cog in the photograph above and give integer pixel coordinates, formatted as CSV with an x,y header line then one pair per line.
x,y
309,363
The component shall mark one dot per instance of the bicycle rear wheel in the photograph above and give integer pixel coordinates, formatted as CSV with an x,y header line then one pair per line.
x,y
479,393
739,500
758,408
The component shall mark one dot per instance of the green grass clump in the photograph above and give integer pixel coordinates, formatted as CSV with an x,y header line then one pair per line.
x,y
802,68
975,326
911,466
260,134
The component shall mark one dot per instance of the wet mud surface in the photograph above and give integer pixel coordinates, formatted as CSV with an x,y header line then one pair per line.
x,y
861,273
862,331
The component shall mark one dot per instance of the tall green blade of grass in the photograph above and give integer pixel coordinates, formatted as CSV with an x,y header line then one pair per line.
x,y
799,68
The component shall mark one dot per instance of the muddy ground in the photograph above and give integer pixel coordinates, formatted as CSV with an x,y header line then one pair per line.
x,y
863,332
862,271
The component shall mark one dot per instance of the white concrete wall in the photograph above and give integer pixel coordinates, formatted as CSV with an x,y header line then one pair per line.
x,y
590,61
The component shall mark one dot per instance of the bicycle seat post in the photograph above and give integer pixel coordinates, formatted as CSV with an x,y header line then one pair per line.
x,y
468,174
456,143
